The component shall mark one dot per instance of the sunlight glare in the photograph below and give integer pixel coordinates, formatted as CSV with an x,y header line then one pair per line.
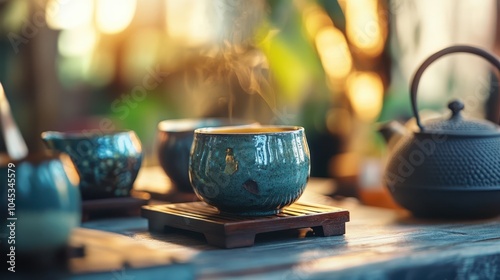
x,y
188,21
68,14
366,92
113,16
334,52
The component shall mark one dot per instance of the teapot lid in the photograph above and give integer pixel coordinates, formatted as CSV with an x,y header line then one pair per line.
x,y
458,125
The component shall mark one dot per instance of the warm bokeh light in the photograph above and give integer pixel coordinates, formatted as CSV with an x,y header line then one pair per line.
x,y
77,42
365,91
187,21
113,16
315,18
69,14
334,52
345,165
363,26
70,169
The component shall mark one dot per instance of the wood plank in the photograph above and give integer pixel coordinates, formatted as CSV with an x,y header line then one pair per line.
x,y
383,243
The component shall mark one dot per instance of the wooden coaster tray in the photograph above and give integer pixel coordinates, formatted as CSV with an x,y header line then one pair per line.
x,y
232,231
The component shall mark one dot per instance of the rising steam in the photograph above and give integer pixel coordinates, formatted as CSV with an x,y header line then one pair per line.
x,y
234,62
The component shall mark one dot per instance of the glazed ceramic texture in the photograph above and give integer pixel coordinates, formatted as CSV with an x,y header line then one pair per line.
x,y
47,202
250,171
174,138
108,163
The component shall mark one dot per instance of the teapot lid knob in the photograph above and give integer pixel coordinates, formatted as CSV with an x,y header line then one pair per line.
x,y
456,106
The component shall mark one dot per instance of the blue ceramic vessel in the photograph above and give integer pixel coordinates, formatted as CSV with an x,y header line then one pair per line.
x,y
107,162
41,202
250,171
175,137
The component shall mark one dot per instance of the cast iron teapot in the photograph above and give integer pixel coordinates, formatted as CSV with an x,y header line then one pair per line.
x,y
450,167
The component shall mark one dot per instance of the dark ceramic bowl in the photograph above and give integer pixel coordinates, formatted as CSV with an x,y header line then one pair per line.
x,y
174,139
107,162
250,171
42,191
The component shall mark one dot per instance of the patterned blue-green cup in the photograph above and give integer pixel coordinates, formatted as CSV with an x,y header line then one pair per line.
x,y
249,171
107,162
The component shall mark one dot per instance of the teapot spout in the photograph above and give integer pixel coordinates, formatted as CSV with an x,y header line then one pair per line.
x,y
392,132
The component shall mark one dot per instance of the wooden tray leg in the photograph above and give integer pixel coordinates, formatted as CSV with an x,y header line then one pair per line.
x,y
156,226
330,229
230,241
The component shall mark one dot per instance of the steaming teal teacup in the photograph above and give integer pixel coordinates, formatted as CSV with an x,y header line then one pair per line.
x,y
249,171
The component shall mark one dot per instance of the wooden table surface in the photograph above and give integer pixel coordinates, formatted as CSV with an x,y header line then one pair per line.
x,y
379,244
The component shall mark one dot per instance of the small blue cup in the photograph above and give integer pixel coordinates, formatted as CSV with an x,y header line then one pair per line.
x,y
108,162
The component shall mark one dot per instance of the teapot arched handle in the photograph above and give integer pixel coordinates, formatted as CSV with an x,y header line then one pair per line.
x,y
453,49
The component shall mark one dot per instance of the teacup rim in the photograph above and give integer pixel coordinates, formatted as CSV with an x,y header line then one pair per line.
x,y
191,124
252,130
82,134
